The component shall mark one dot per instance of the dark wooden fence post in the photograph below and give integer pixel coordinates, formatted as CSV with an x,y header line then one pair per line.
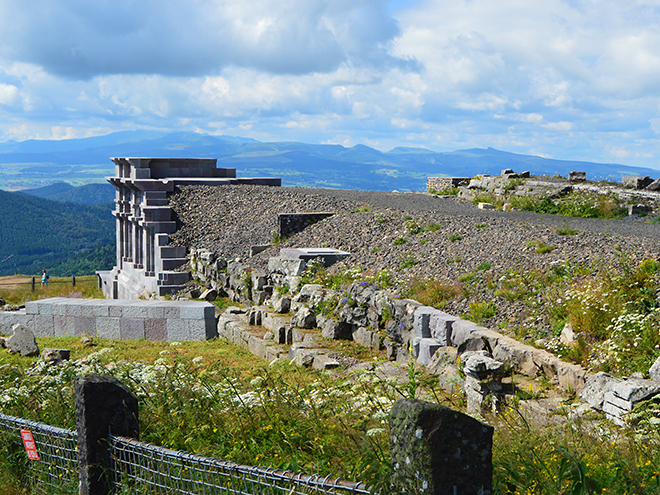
x,y
103,405
32,284
73,280
438,451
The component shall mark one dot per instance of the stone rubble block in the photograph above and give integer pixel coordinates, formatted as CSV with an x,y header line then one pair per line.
x,y
461,330
367,338
482,367
636,390
275,322
427,348
595,388
22,341
654,370
436,450
421,320
309,292
291,267
440,327
323,362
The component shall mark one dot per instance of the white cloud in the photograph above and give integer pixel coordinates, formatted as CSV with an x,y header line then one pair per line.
x,y
573,79
8,94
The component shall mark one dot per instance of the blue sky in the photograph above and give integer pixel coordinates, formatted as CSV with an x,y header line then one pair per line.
x,y
574,79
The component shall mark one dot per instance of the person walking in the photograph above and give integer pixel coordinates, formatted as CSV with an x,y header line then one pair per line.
x,y
44,279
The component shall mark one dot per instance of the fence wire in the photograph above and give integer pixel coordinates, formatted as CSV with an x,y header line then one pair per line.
x,y
56,471
162,471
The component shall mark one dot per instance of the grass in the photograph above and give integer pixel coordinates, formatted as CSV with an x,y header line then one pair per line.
x,y
431,291
399,240
454,237
407,261
540,247
567,231
86,286
479,312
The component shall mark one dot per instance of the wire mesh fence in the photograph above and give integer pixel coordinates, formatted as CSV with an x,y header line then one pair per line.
x,y
163,471
56,469
147,468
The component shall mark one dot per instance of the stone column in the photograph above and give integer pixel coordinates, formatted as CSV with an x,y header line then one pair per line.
x,y
103,405
438,451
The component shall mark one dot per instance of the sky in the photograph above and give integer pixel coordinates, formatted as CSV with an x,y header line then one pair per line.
x,y
571,79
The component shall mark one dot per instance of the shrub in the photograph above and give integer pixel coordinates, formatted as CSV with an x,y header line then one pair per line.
x,y
407,261
431,291
481,311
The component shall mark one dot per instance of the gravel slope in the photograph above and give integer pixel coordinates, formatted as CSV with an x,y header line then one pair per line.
x,y
230,219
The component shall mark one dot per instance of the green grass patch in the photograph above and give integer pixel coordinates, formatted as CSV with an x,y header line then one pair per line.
x,y
454,237
399,240
567,231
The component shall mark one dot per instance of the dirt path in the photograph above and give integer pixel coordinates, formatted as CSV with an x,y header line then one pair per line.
x,y
14,281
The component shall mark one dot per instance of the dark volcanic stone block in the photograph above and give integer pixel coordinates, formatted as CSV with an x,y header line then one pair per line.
x,y
438,451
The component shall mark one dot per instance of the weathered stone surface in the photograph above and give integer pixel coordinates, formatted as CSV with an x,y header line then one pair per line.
x,y
304,318
567,336
55,355
22,341
461,330
653,186
636,181
426,349
287,266
334,329
654,371
596,387
367,338
209,295
440,325
439,451
282,304
635,390
323,362
481,366
103,404
574,176
309,292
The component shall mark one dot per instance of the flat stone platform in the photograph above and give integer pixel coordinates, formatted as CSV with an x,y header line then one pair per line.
x,y
115,319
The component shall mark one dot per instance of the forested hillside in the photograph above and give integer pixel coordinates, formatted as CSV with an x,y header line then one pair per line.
x,y
37,233
89,194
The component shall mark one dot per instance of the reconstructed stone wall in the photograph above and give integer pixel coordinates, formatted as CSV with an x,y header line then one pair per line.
x,y
115,319
146,263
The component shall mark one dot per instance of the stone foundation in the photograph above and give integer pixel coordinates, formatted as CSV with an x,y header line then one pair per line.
x,y
115,319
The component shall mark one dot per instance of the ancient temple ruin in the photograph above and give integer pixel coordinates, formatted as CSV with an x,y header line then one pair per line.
x,y
146,263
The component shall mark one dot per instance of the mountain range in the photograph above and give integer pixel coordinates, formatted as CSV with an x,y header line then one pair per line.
x,y
38,163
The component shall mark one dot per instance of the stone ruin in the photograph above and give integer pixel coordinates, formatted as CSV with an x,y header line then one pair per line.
x,y
640,194
146,263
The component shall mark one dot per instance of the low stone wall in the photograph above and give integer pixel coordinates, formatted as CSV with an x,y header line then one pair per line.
x,y
115,319
439,184
364,313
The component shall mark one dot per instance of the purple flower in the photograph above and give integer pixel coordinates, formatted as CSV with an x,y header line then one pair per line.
x,y
363,284
343,301
402,325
